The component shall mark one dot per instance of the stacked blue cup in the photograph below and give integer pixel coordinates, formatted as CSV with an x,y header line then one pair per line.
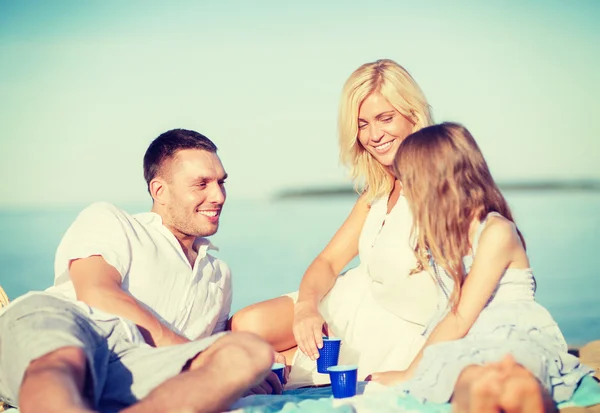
x,y
279,369
343,381
328,354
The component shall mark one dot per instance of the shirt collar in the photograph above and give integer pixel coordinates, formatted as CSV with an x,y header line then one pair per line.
x,y
204,244
152,218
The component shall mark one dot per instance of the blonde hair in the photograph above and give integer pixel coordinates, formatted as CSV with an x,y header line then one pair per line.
x,y
400,89
447,184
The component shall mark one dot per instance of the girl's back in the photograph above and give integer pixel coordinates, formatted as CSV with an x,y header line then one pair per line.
x,y
490,311
512,306
512,322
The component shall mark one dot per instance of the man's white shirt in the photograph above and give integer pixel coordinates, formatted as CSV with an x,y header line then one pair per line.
x,y
194,301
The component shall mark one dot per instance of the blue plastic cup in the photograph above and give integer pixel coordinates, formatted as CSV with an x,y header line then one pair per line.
x,y
343,380
279,369
328,354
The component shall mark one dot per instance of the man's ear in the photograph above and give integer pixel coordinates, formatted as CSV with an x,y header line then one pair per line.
x,y
159,190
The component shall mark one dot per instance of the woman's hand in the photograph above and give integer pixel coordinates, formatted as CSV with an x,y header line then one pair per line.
x,y
308,329
389,378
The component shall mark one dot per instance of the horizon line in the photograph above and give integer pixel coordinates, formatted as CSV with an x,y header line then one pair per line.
x,y
582,185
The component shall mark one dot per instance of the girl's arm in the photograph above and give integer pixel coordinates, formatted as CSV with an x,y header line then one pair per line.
x,y
498,245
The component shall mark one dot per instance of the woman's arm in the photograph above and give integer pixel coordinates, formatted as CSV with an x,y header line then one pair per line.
x,y
497,248
320,277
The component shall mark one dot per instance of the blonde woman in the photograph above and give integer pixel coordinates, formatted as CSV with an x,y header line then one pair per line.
x,y
377,309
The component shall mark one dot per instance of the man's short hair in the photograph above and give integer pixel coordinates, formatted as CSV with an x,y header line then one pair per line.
x,y
166,146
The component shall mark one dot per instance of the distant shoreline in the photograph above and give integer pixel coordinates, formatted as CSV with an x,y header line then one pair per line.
x,y
570,186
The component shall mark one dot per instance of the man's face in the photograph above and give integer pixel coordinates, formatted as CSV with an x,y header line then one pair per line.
x,y
196,193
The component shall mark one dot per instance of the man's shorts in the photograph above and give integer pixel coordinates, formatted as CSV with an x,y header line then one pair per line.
x,y
122,368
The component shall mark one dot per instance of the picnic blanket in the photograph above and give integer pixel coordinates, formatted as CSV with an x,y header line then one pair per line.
x,y
318,400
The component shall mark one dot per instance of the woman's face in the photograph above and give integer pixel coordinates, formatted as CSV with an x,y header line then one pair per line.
x,y
381,128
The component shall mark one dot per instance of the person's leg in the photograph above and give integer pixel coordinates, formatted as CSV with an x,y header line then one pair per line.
x,y
505,386
271,320
46,356
214,379
289,355
54,383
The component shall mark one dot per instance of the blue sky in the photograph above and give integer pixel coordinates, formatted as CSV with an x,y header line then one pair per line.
x,y
85,86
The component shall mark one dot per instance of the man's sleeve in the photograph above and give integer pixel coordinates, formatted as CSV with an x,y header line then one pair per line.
x,y
227,298
100,229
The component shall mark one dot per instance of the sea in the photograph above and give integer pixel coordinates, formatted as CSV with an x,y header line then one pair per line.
x,y
269,243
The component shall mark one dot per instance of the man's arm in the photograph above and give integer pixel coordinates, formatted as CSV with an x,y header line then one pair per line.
x,y
98,284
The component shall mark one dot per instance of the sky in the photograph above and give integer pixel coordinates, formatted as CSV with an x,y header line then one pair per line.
x,y
86,86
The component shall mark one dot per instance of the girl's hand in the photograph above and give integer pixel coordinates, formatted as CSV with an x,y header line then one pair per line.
x,y
308,329
389,378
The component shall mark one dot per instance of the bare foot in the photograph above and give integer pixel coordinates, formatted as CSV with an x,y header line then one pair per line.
x,y
477,390
505,386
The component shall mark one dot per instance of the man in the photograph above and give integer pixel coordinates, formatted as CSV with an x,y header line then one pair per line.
x,y
131,319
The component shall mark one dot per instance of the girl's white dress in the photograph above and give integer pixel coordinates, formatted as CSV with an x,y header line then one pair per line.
x,y
511,323
378,310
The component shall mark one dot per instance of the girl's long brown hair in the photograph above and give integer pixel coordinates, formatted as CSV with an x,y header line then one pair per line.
x,y
447,184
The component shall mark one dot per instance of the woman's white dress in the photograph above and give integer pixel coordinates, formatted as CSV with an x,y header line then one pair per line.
x,y
377,308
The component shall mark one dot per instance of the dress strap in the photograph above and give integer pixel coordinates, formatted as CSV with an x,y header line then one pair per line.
x,y
480,229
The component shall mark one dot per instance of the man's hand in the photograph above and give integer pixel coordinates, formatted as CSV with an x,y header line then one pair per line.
x,y
271,385
280,358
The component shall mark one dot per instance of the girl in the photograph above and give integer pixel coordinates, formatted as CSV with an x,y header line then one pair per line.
x,y
491,346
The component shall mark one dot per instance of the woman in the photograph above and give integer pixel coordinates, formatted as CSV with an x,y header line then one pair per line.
x,y
377,309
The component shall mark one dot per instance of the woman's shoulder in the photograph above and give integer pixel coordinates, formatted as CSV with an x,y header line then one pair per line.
x,y
373,196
